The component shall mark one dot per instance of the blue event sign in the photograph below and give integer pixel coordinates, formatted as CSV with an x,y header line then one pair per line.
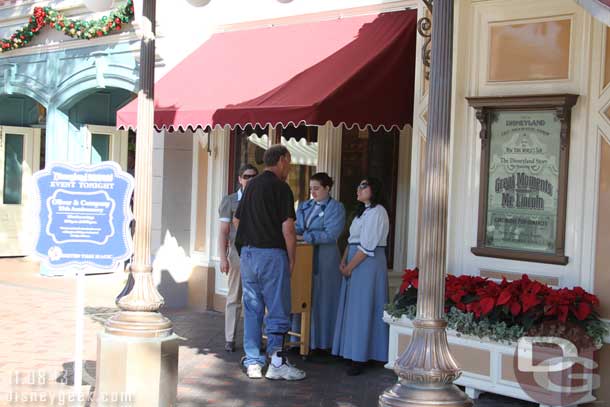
x,y
84,215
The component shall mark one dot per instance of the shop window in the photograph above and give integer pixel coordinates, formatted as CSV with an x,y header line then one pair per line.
x,y
302,142
106,143
249,146
100,148
375,154
13,169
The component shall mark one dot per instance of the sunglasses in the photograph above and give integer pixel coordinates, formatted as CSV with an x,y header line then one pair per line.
x,y
248,176
363,185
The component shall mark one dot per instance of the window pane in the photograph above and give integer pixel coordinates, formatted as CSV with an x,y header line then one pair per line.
x,y
13,171
250,145
100,148
302,142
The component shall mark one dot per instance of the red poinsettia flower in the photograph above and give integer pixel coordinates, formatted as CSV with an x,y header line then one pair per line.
x,y
558,302
522,300
488,294
409,278
582,311
505,296
515,309
454,290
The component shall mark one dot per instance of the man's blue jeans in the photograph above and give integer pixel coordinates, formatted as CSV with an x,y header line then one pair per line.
x,y
265,276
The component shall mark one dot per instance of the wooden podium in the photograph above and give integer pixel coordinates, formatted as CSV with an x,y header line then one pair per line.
x,y
300,284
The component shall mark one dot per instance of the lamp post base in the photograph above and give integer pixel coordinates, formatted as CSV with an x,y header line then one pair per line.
x,y
140,324
406,394
138,372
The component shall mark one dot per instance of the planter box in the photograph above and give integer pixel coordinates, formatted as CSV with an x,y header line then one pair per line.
x,y
487,366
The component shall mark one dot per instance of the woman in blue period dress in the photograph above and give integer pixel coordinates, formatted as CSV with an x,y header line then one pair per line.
x,y
360,333
320,222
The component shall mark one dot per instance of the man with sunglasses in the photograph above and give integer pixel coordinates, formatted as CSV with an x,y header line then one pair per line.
x,y
229,259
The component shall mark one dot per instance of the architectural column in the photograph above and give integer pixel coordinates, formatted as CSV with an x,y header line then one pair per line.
x,y
426,369
401,228
138,352
329,154
217,188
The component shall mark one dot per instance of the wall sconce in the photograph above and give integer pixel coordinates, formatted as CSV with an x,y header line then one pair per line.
x,y
98,5
198,3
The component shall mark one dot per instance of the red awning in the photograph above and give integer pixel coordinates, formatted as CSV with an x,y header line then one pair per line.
x,y
357,70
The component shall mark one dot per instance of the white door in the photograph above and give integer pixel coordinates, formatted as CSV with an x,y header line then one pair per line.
x,y
19,159
105,143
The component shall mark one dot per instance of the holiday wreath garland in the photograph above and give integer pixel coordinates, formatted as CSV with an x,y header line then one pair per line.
x,y
81,29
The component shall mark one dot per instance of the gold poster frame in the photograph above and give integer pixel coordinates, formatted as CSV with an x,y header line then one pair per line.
x,y
484,107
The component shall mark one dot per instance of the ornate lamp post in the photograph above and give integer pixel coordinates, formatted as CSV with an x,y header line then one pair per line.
x,y
138,352
426,369
139,314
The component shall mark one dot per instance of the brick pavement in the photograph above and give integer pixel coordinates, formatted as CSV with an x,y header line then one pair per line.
x,y
38,317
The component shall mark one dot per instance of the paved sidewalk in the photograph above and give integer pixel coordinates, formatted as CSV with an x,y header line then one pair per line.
x,y
210,376
38,317
36,352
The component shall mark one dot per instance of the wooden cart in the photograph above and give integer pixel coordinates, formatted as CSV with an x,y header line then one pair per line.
x,y
301,285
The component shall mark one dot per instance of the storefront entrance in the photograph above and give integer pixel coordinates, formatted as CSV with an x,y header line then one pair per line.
x,y
375,154
20,156
92,119
363,153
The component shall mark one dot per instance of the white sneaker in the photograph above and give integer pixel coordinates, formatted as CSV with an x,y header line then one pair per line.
x,y
286,372
255,371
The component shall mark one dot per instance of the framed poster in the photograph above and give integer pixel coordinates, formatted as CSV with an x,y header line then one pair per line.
x,y
525,143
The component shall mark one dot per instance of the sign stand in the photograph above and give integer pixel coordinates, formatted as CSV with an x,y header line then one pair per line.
x,y
83,216
79,337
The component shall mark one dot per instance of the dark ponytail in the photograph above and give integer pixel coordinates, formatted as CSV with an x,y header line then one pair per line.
x,y
376,195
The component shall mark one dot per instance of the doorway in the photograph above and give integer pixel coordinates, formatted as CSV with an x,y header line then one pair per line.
x,y
19,160
22,130
375,154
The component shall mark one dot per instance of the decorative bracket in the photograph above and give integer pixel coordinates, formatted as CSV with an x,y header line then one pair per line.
x,y
563,114
10,70
424,28
100,67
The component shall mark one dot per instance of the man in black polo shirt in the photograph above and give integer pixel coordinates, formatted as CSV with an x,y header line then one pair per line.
x,y
266,240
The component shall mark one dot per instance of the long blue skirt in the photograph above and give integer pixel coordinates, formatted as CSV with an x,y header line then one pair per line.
x,y
360,333
325,296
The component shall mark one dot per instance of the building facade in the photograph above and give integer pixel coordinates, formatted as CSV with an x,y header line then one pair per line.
x,y
59,100
501,48
67,90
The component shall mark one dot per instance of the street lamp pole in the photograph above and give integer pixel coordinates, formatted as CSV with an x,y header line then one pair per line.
x,y
139,314
138,352
426,369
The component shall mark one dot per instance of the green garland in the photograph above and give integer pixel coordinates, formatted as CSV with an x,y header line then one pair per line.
x,y
81,29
